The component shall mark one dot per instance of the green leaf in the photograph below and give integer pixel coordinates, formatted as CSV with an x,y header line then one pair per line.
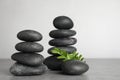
x,y
67,56
54,51
61,57
82,59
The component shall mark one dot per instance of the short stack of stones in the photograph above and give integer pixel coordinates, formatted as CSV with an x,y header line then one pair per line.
x,y
62,40
28,61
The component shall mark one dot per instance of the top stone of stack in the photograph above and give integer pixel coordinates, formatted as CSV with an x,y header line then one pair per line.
x,y
29,35
63,22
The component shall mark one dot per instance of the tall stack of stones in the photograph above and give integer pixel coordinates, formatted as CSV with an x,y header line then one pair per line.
x,y
28,61
61,39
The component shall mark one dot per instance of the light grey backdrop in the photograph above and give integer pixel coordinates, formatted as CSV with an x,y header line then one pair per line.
x,y
97,23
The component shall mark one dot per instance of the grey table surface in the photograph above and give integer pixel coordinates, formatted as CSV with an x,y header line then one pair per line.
x,y
100,69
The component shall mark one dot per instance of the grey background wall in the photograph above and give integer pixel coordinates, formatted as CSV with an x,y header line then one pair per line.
x,y
97,23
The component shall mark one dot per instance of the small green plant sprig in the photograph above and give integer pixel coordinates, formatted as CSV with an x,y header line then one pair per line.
x,y
67,56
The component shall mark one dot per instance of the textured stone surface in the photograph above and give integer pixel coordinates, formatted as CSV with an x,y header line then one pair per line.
x,y
74,67
23,70
29,35
27,52
69,49
62,41
29,47
62,33
53,63
28,59
63,22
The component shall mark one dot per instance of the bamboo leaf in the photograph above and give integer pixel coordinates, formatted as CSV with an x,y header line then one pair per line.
x,y
67,56
82,59
61,57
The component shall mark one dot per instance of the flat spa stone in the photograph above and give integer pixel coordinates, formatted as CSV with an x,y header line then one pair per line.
x,y
53,63
62,42
63,22
28,59
74,67
68,49
62,33
29,35
27,52
18,69
29,47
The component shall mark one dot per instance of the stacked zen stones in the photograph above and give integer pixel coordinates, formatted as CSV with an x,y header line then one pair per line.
x,y
62,40
28,61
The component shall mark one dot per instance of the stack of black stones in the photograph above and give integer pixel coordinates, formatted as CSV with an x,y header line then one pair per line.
x,y
28,61
62,40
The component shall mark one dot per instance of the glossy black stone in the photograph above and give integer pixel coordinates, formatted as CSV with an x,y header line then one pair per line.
x,y
29,47
28,59
68,49
18,69
53,63
27,52
62,33
63,22
29,35
62,41
74,67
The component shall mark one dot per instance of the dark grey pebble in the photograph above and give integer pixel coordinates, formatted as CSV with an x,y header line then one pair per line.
x,y
63,22
62,33
18,69
29,47
53,63
68,49
28,59
29,35
62,41
74,67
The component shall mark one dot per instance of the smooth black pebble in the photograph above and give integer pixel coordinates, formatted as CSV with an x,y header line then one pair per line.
x,y
62,33
18,69
53,63
29,35
68,49
74,67
62,41
29,47
28,59
63,22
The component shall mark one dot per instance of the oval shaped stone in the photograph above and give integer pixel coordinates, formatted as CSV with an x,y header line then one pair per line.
x,y
62,33
62,41
68,49
74,67
18,69
29,47
63,22
53,63
28,59
29,35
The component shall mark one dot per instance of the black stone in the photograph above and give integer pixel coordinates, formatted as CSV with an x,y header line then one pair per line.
x,y
62,41
74,67
29,35
29,47
62,33
63,22
27,52
28,59
68,49
53,63
18,69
